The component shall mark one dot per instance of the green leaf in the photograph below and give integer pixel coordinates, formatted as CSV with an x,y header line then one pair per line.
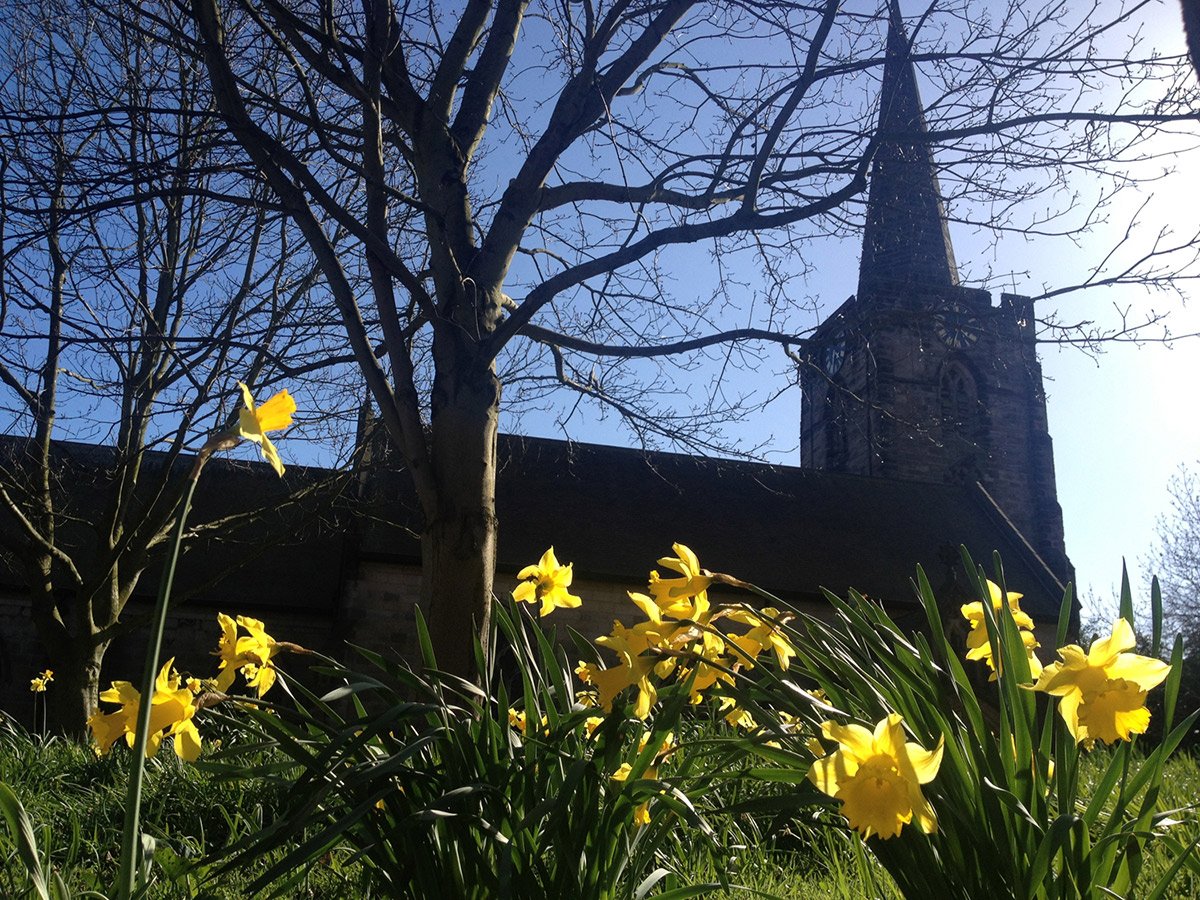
x,y
1156,617
1186,857
1126,595
20,830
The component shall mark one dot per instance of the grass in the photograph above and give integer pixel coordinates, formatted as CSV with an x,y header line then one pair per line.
x,y
75,803
832,865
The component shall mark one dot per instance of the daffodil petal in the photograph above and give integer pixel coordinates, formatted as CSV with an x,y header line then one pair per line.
x,y
925,763
858,740
1105,650
271,455
276,413
1144,671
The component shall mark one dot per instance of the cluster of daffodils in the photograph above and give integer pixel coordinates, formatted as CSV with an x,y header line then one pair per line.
x,y
978,645
877,775
172,709
177,699
1103,691
39,682
682,635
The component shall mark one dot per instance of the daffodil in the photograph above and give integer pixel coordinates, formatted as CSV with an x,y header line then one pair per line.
x,y
878,777
665,746
631,670
711,666
735,715
254,422
641,813
1103,691
764,634
38,683
547,582
978,645
171,712
251,653
684,597
227,652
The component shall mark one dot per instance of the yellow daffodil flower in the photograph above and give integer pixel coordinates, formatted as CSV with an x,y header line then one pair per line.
x,y
227,651
254,422
1103,691
171,713
684,597
736,716
764,634
38,683
547,582
665,747
641,813
250,653
631,670
518,721
878,777
711,666
978,645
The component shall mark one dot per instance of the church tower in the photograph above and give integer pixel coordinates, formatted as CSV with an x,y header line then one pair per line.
x,y
917,377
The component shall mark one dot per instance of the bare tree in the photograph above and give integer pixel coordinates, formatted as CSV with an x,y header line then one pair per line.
x,y
501,187
132,297
1175,558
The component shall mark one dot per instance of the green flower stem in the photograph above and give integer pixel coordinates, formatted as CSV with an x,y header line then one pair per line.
x,y
130,845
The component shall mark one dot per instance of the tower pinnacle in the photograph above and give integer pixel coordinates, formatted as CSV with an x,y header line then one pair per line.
x,y
906,239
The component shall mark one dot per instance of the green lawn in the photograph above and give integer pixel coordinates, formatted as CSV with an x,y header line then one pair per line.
x,y
75,803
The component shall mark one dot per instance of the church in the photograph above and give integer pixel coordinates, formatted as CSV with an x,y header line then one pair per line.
x,y
923,427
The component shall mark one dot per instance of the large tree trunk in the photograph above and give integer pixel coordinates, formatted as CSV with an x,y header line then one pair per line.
x,y
459,543
73,651
71,697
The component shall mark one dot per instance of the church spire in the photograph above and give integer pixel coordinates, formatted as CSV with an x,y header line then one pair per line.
x,y
906,239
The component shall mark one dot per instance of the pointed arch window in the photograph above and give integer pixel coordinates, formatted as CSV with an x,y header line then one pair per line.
x,y
959,398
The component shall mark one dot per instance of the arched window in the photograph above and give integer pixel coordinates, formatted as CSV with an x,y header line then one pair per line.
x,y
960,399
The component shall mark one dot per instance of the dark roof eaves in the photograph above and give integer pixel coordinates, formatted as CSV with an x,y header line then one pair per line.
x,y
1048,581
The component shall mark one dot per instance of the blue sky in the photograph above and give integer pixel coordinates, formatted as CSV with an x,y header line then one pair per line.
x,y
1122,419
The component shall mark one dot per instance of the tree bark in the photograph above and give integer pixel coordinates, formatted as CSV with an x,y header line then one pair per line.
x,y
72,697
459,542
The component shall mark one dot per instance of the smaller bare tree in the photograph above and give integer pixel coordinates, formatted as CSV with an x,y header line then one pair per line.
x,y
1175,558
133,295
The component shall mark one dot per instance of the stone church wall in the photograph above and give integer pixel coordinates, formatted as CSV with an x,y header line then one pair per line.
x,y
376,611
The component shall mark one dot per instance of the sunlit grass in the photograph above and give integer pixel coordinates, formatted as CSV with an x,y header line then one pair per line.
x,y
75,802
